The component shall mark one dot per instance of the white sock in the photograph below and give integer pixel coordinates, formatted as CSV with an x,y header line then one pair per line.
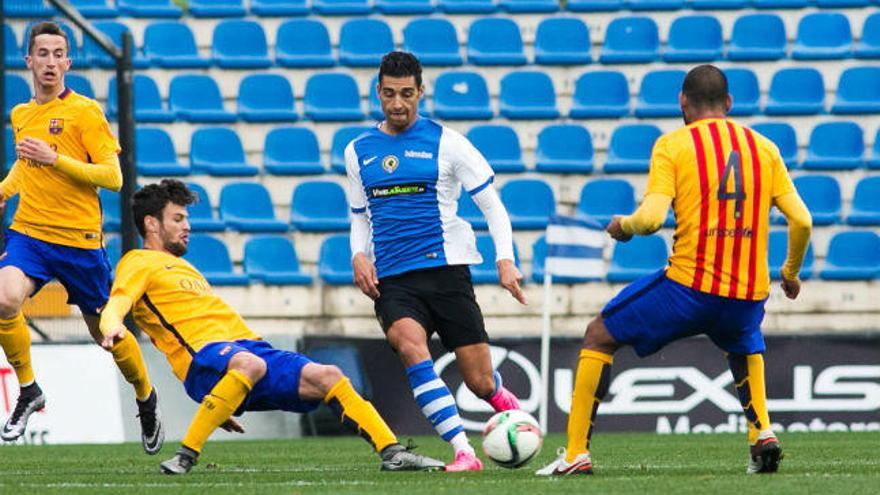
x,y
460,442
765,434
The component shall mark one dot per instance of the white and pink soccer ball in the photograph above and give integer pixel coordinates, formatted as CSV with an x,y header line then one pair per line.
x,y
512,438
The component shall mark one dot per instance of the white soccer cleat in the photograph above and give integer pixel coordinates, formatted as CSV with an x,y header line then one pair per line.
x,y
30,400
184,459
581,465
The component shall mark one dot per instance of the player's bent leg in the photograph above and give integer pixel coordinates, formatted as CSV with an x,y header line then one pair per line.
x,y
475,365
765,453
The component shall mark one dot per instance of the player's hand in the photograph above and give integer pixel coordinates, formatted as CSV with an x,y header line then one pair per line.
x,y
365,275
36,150
510,277
615,230
791,287
114,337
232,426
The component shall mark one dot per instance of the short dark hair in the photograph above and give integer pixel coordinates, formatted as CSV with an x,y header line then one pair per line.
x,y
401,64
152,199
705,86
46,27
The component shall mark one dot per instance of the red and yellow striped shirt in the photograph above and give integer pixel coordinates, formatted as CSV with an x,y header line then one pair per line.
x,y
723,178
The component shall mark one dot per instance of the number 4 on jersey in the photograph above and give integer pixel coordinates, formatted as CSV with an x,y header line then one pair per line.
x,y
738,194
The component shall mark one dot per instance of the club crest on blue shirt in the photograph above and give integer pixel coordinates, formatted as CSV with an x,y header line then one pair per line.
x,y
56,126
390,163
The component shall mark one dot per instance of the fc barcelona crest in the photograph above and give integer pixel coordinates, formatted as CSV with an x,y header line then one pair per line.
x,y
56,126
390,163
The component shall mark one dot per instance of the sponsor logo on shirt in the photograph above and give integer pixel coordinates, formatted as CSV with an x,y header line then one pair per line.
x,y
425,155
398,190
390,163
56,126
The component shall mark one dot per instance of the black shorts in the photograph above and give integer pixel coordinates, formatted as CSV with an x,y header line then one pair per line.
x,y
441,299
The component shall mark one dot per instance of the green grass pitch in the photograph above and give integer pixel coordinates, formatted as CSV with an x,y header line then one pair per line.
x,y
821,463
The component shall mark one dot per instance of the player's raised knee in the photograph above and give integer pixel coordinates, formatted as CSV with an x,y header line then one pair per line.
x,y
249,365
598,338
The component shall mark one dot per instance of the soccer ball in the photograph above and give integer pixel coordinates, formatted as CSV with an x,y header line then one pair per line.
x,y
512,438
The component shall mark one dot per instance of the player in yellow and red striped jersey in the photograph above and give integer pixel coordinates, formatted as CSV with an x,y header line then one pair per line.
x,y
721,179
65,152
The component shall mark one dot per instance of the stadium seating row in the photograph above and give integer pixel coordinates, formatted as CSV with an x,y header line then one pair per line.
x,y
242,44
272,259
464,95
236,8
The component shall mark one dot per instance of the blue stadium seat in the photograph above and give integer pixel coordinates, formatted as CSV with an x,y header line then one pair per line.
x,y
279,8
868,45
433,41
783,135
658,94
821,194
156,156
630,40
694,38
218,151
113,248
216,8
780,4
460,95
495,41
529,6
873,160
272,260
777,251
28,9
487,272
823,36
865,209
404,7
210,256
470,212
842,4
539,257
601,199
79,84
601,94
240,44
341,7
171,45
743,88
292,151
332,97
148,106
341,138
835,146
334,260
641,256
303,43
8,148
467,6
529,202
562,41
757,37
564,148
363,42
201,215
149,8
527,95
594,5
319,206
630,148
858,91
852,255
499,144
13,57
796,91
9,211
247,207
110,209
266,98
15,90
196,98
97,57
652,5
718,4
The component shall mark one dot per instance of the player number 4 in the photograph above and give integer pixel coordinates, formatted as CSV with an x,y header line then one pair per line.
x,y
738,194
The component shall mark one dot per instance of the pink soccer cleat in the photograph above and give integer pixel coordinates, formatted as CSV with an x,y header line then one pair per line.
x,y
503,400
465,461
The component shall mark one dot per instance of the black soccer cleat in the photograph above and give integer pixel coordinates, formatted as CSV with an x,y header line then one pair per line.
x,y
765,456
30,400
152,433
184,459
396,457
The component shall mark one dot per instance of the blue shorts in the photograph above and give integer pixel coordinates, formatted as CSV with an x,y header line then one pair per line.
x,y
84,273
278,390
654,311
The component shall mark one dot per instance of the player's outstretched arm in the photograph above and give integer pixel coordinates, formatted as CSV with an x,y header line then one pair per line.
x,y
648,218
800,225
510,278
111,320
502,236
104,173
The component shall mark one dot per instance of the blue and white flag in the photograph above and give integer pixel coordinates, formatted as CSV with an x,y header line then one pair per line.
x,y
574,249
